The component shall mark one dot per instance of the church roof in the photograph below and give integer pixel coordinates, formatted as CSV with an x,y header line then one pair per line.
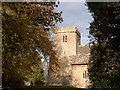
x,y
82,56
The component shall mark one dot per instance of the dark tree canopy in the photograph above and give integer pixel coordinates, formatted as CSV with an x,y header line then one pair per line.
x,y
104,65
26,28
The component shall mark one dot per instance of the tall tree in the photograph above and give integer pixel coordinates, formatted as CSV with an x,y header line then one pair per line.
x,y
26,28
104,65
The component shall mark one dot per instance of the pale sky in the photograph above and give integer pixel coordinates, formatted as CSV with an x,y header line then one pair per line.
x,y
76,14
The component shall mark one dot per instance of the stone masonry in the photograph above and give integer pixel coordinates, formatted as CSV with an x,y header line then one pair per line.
x,y
73,59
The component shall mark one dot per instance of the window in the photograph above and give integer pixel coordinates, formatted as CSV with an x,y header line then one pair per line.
x,y
85,74
63,52
65,38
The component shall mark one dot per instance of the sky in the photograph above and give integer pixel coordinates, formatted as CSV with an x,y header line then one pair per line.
x,y
76,14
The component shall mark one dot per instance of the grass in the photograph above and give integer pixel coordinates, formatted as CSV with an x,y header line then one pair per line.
x,y
38,87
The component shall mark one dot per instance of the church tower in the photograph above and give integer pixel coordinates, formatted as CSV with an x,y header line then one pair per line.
x,y
67,40
73,59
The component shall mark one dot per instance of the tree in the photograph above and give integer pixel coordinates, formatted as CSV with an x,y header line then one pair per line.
x,y
26,28
104,67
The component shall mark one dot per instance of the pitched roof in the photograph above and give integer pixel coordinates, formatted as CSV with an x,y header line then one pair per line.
x,y
82,56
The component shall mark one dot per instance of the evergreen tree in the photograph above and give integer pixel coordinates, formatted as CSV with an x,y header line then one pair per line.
x,y
104,64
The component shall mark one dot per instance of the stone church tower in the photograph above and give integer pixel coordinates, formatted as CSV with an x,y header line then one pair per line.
x,y
73,59
68,40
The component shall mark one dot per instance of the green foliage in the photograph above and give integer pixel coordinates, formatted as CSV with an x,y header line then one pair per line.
x,y
104,64
26,27
37,77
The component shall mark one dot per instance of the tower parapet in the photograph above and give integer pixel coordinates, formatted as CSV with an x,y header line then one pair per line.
x,y
68,30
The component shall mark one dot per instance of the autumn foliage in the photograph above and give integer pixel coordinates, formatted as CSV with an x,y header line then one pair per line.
x,y
26,28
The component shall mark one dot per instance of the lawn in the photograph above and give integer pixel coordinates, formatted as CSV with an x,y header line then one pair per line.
x,y
38,87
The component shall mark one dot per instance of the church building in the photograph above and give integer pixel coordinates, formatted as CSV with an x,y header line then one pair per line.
x,y
73,58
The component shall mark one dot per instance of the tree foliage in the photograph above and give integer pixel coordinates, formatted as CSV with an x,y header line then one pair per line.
x,y
26,28
104,65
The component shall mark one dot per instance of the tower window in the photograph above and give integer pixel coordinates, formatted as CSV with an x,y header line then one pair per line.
x,y
65,38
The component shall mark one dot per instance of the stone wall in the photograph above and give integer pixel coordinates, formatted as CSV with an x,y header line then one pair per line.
x,y
63,75
73,60
78,79
69,47
69,74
